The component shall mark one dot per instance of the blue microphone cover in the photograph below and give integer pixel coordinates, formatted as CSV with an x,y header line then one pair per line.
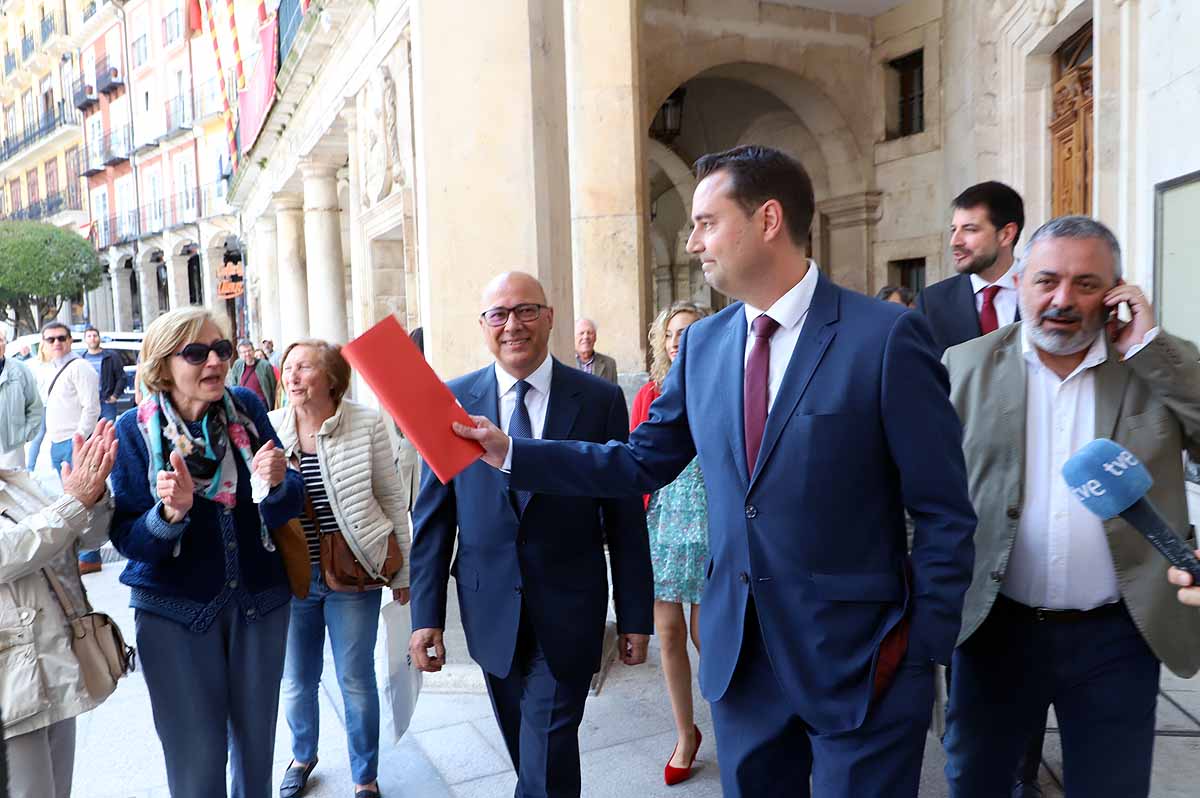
x,y
1106,477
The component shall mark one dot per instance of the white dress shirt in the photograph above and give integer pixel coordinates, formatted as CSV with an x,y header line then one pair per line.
x,y
1006,298
789,310
537,398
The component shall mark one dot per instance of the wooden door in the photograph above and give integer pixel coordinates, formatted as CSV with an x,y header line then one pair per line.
x,y
1071,127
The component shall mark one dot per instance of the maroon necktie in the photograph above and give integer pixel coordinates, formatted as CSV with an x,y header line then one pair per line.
x,y
758,373
987,314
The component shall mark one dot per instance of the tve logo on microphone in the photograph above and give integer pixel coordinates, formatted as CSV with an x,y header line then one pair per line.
x,y
1106,477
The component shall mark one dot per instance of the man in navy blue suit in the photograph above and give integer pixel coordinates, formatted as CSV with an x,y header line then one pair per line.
x,y
982,297
530,568
819,415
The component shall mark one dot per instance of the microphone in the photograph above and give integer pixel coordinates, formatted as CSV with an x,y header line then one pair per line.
x,y
1110,481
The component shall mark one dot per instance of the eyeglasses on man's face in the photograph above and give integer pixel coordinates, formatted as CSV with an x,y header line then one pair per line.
x,y
498,316
56,339
197,353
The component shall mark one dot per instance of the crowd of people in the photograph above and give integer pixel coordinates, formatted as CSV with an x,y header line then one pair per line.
x,y
755,505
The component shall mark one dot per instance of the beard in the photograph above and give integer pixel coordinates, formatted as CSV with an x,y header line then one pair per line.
x,y
1060,343
979,263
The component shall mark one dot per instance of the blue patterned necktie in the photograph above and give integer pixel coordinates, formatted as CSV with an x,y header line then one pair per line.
x,y
519,426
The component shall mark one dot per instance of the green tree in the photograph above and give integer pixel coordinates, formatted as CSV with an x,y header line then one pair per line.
x,y
42,266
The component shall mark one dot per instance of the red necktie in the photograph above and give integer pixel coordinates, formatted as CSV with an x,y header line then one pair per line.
x,y
987,314
758,368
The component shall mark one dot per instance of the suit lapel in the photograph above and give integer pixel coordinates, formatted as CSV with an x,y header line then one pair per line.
x,y
733,352
968,315
1111,381
484,398
565,398
814,339
1006,392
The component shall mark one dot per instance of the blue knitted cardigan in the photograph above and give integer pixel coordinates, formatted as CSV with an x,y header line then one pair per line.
x,y
189,571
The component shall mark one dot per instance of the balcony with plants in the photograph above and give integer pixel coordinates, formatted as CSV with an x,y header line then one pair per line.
x,y
84,94
109,76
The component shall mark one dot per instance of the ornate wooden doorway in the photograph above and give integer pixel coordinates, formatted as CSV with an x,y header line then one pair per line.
x,y
1071,128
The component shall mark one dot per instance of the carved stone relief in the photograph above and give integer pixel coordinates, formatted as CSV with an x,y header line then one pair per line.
x,y
383,168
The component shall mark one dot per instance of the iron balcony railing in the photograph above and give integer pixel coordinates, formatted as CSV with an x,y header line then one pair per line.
x,y
55,203
104,232
123,227
89,10
83,94
49,26
117,145
152,217
108,76
179,113
27,47
34,134
183,208
10,64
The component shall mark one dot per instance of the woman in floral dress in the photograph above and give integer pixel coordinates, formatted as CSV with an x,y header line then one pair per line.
x,y
677,518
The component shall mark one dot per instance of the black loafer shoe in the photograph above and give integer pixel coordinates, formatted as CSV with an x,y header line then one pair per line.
x,y
295,779
368,794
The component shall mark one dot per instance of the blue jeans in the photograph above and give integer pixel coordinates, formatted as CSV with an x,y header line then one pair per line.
x,y
215,698
1098,673
60,453
108,410
35,448
353,623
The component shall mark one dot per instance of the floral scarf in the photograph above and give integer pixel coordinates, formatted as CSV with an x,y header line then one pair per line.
x,y
209,455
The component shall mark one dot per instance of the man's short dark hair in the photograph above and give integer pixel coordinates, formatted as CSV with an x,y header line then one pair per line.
x,y
55,324
758,174
89,329
1004,205
245,342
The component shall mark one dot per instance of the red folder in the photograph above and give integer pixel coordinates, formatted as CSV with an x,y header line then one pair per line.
x,y
414,396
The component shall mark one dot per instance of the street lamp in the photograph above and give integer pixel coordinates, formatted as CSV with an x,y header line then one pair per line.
x,y
668,120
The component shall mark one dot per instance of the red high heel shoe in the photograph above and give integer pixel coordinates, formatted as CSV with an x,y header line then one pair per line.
x,y
674,775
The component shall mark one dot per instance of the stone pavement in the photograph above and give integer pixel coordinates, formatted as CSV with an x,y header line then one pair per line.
x,y
454,750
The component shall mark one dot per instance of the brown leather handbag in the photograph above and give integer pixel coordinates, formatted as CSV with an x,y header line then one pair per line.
x,y
342,571
293,548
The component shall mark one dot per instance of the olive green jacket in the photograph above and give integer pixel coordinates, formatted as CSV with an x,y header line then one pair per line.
x,y
1150,404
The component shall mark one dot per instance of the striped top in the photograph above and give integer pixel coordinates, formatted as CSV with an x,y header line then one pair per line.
x,y
314,488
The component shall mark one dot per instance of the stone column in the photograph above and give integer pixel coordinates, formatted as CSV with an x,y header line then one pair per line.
x,y
489,97
263,263
608,184
293,275
323,253
846,230
147,290
122,298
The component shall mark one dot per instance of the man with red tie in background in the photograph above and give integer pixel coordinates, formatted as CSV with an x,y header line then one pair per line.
x,y
982,297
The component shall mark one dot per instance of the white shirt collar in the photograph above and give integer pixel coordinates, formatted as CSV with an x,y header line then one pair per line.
x,y
539,380
1007,280
789,309
1097,353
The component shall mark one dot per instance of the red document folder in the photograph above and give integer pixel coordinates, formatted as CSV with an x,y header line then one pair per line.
x,y
409,390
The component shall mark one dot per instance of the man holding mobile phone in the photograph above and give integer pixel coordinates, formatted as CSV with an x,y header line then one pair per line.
x,y
1064,609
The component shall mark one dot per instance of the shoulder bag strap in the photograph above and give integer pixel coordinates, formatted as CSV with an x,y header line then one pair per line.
x,y
69,609
58,374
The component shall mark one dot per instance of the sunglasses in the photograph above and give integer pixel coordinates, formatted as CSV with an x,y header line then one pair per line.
x,y
197,354
56,339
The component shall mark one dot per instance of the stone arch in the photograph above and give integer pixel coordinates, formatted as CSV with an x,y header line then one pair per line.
x,y
675,168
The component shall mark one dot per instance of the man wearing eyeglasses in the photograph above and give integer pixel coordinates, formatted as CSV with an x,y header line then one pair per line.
x,y
530,568
72,394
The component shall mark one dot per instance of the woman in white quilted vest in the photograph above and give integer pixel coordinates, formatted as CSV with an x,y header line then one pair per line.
x,y
42,688
343,451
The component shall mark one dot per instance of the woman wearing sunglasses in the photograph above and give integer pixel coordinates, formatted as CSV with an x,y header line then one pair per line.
x,y
200,480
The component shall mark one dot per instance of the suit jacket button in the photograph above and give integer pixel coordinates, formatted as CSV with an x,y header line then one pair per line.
x,y
519,590
997,576
745,577
751,511
1014,513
